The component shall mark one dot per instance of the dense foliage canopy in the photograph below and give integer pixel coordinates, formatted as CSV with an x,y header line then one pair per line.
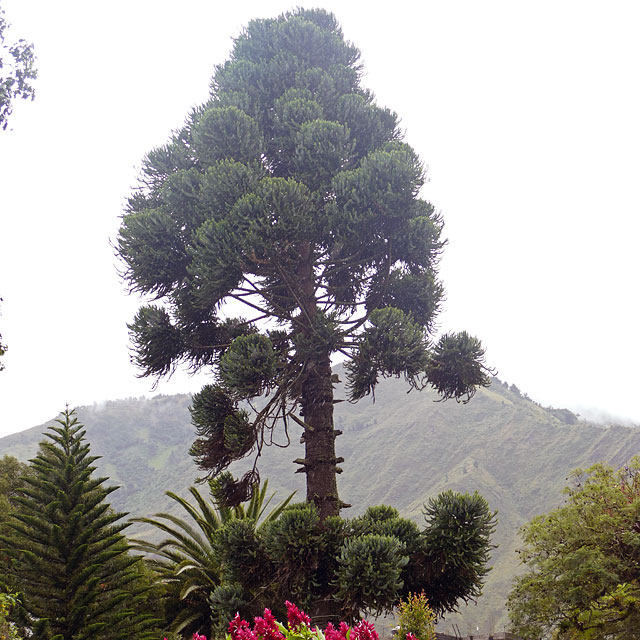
x,y
69,558
290,193
583,562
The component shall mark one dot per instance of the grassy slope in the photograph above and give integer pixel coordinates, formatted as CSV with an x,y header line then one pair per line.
x,y
400,450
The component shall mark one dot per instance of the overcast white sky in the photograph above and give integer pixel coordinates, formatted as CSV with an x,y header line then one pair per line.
x,y
527,114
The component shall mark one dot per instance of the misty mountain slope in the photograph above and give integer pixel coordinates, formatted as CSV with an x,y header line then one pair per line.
x,y
399,450
143,447
500,439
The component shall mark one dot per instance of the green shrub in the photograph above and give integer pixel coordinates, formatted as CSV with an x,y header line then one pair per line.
x,y
416,618
369,572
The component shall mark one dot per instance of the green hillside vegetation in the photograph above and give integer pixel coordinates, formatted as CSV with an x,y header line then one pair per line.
x,y
402,450
583,561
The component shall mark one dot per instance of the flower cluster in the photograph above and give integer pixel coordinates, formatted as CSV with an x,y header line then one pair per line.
x,y
295,617
364,631
331,633
239,629
298,628
267,627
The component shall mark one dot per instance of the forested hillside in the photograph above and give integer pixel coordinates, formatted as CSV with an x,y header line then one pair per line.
x,y
399,450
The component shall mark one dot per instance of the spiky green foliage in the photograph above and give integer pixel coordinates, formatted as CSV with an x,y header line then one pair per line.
x,y
456,548
224,431
188,561
295,546
69,557
392,345
340,568
583,561
248,381
12,475
456,366
369,574
291,192
220,561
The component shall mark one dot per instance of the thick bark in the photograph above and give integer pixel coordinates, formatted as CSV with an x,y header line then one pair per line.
x,y
320,437
317,403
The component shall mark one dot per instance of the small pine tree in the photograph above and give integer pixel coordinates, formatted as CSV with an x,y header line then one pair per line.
x,y
69,557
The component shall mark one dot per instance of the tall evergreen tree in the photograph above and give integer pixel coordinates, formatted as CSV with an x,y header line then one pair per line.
x,y
70,559
292,193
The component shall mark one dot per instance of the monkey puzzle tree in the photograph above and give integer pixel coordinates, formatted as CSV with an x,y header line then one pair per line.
x,y
291,192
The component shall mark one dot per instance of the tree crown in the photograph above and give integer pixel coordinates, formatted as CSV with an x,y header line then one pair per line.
x,y
292,194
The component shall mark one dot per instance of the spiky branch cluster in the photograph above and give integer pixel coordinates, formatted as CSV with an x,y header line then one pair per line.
x,y
223,561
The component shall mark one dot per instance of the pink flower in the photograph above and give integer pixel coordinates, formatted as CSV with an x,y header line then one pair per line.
x,y
197,636
410,636
268,616
266,628
239,629
245,634
295,617
331,633
364,631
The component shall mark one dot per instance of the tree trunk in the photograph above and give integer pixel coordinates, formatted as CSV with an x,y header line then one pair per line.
x,y
320,437
317,401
